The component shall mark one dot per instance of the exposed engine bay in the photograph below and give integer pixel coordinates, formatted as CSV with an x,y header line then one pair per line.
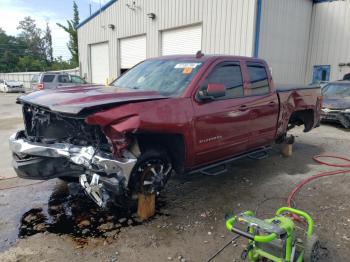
x,y
44,126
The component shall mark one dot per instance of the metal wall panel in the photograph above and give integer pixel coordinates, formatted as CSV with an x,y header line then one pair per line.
x,y
228,27
330,38
284,37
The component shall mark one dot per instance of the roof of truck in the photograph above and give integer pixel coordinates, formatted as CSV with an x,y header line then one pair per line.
x,y
204,58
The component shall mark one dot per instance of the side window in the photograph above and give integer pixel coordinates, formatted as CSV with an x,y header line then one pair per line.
x,y
1,81
64,79
231,76
259,83
77,80
48,78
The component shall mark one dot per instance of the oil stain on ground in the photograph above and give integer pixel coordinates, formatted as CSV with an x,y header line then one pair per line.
x,y
78,216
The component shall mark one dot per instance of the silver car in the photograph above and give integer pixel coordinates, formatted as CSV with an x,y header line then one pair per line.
x,y
7,86
52,80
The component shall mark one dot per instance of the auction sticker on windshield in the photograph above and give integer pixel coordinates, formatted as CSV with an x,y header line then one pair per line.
x,y
187,65
187,70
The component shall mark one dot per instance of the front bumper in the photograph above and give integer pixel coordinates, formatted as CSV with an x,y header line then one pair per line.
x,y
339,116
54,157
14,89
107,176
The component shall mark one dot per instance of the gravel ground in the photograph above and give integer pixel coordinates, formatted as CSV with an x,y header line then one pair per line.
x,y
41,222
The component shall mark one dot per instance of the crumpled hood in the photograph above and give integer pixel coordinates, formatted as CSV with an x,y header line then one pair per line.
x,y
76,99
336,103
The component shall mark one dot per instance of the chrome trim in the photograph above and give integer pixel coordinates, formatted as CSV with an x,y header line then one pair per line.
x,y
84,156
93,189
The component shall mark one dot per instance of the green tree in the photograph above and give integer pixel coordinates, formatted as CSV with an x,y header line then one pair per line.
x,y
28,63
60,64
73,35
48,44
10,49
32,35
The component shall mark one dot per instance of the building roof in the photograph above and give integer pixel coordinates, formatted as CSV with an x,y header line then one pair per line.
x,y
104,7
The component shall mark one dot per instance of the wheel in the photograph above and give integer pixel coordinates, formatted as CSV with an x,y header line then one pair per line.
x,y
312,251
151,172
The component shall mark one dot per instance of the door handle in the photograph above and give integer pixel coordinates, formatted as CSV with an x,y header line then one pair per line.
x,y
243,108
272,103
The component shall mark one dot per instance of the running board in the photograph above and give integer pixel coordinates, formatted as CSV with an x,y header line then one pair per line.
x,y
221,167
258,155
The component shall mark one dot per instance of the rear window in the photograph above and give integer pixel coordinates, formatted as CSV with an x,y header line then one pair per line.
x,y
258,79
48,78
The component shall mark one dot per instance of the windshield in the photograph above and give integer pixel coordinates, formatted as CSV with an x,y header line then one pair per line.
x,y
336,90
168,77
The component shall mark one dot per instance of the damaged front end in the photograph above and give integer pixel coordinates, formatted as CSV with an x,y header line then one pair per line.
x,y
55,145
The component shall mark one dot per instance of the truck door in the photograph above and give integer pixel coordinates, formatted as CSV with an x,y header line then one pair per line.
x,y
263,105
221,124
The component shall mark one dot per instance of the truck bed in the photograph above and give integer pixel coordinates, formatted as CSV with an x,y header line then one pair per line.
x,y
285,88
294,99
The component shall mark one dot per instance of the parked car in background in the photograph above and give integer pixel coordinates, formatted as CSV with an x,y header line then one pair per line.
x,y
346,77
7,86
336,103
182,113
52,80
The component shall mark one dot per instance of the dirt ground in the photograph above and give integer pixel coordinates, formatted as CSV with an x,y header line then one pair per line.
x,y
41,222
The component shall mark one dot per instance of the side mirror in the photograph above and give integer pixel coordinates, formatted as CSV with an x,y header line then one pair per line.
x,y
214,90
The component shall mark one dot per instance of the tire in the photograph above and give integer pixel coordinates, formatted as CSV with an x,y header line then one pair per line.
x,y
151,172
312,250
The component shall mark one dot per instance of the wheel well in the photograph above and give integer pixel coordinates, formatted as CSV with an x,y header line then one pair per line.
x,y
302,117
173,144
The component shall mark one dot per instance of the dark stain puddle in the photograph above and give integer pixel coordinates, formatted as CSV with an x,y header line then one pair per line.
x,y
76,215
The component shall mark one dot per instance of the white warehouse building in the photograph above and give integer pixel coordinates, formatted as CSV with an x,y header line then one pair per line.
x,y
302,40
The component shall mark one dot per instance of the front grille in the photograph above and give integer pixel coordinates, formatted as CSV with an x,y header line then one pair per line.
x,y
330,115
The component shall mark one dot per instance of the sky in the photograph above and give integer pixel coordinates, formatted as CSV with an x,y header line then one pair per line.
x,y
42,11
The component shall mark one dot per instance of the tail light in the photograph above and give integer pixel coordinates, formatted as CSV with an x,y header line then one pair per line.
x,y
40,86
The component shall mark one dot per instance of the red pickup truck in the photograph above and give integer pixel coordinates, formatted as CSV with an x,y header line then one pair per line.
x,y
174,113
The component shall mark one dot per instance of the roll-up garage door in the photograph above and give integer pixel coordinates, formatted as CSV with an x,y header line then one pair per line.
x,y
132,51
99,63
186,40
